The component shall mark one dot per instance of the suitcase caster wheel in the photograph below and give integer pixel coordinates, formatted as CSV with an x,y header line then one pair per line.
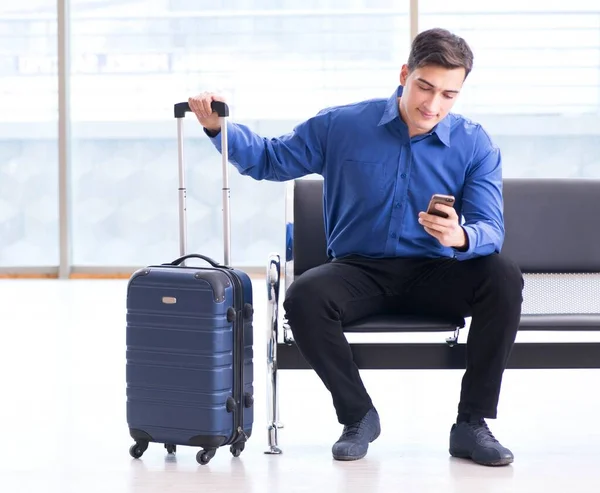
x,y
137,450
236,450
171,449
204,456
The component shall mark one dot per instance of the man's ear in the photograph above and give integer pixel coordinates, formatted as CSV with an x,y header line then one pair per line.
x,y
404,73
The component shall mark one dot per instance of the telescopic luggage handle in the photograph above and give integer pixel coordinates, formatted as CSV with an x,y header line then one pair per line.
x,y
222,110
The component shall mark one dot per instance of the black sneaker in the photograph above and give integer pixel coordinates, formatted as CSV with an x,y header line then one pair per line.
x,y
474,440
355,439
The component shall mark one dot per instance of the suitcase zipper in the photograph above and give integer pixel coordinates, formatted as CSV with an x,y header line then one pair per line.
x,y
238,357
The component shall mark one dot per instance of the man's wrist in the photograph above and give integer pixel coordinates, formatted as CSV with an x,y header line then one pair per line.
x,y
464,246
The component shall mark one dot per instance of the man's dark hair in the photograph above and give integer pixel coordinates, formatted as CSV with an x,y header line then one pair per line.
x,y
440,47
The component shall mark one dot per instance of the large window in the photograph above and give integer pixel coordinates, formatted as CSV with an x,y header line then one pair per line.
x,y
276,64
28,135
535,87
536,80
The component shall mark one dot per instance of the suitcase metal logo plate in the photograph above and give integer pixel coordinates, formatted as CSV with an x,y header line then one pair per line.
x,y
169,300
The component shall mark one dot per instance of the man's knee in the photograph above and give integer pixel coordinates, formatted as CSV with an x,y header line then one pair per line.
x,y
506,268
503,275
306,294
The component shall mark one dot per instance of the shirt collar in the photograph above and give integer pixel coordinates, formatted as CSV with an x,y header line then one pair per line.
x,y
392,112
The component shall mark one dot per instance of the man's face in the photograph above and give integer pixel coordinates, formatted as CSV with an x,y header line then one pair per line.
x,y
428,96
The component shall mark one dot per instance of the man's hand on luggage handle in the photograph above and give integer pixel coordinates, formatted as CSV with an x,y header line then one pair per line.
x,y
200,105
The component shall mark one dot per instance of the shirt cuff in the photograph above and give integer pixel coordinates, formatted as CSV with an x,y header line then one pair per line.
x,y
215,137
471,238
211,133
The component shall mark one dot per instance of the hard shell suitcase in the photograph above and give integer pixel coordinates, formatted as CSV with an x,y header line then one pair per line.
x,y
189,342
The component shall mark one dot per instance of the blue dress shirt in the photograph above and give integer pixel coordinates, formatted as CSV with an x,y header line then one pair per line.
x,y
377,179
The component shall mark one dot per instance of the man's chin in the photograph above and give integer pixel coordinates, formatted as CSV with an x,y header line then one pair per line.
x,y
426,125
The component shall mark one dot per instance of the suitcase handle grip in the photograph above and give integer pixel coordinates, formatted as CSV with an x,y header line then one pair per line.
x,y
197,255
219,107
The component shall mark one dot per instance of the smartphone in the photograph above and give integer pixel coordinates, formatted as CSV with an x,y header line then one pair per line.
x,y
438,198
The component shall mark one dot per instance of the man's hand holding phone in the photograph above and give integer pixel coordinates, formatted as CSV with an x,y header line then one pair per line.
x,y
442,222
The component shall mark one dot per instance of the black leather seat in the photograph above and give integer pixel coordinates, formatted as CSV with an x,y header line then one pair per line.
x,y
554,322
401,323
309,249
552,227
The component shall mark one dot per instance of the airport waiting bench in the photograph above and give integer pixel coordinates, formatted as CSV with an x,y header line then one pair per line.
x,y
552,232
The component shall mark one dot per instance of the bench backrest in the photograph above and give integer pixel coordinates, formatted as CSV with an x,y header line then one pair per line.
x,y
552,225
309,246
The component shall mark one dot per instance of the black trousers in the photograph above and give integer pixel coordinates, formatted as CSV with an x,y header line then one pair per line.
x,y
323,299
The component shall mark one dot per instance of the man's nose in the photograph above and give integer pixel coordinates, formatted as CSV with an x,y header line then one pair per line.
x,y
432,104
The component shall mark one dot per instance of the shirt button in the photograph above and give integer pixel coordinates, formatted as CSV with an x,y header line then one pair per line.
x,y
393,235
403,175
397,205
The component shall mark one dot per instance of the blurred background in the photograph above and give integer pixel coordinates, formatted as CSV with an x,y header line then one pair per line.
x,y
535,87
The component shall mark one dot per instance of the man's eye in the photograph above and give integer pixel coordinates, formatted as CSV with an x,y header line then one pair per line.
x,y
424,88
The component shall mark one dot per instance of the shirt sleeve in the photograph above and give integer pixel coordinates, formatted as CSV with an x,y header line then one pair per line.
x,y
482,202
296,154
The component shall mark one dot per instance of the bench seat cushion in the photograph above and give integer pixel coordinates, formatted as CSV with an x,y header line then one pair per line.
x,y
406,323
402,323
570,321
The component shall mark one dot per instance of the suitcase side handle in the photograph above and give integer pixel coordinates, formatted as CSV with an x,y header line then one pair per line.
x,y
219,107
212,262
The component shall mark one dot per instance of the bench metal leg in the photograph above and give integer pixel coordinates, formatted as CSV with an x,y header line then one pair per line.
x,y
273,274
453,340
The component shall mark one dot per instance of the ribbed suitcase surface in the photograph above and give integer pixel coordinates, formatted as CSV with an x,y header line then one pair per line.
x,y
187,374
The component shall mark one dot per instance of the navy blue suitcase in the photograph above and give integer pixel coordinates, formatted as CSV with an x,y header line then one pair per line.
x,y
190,344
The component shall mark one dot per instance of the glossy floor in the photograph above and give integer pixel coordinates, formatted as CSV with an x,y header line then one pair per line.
x,y
62,416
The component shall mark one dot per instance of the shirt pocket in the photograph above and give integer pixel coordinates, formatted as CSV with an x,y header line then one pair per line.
x,y
363,179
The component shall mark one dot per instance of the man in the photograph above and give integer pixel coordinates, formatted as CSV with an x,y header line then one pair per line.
x,y
381,161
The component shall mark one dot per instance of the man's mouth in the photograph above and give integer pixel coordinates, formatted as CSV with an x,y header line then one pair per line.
x,y
426,115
